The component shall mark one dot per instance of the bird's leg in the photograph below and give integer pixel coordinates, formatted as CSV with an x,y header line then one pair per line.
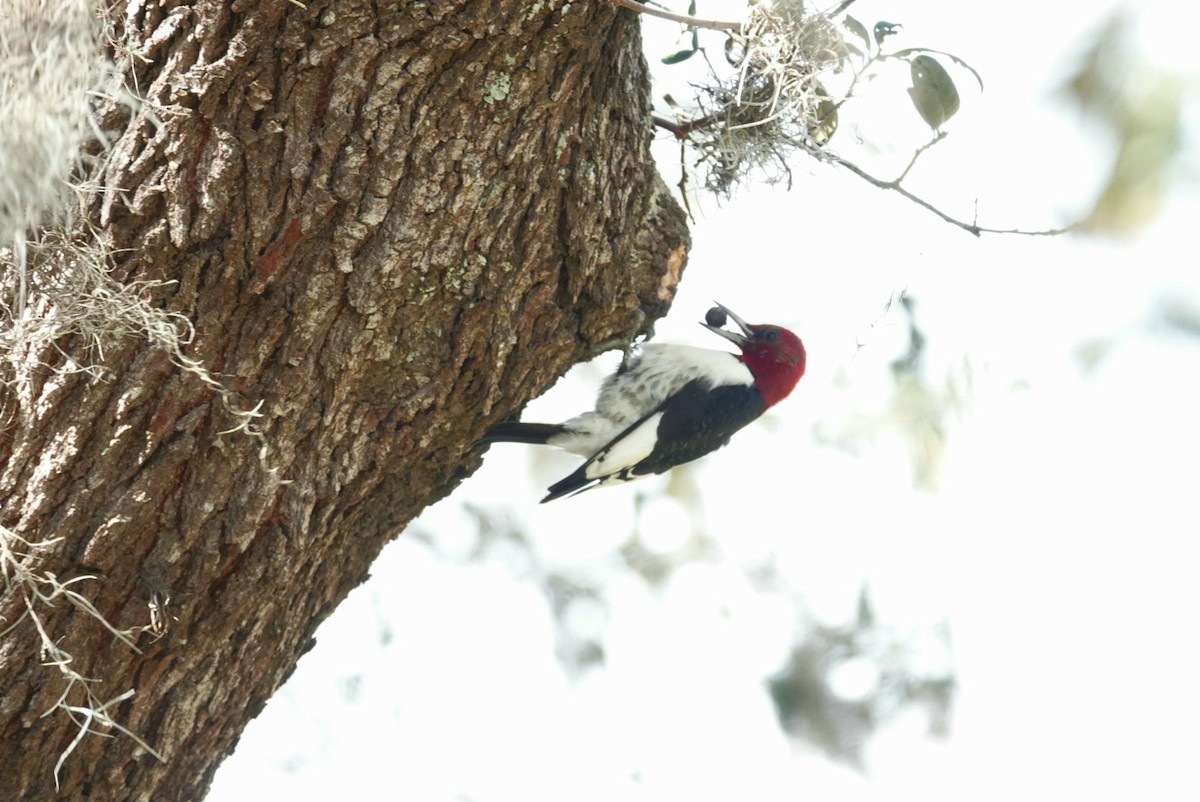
x,y
627,350
626,343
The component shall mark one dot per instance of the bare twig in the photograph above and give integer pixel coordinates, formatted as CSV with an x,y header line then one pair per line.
x,y
681,129
895,186
917,154
694,22
775,104
683,177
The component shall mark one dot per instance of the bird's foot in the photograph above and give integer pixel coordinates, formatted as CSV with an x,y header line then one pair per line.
x,y
626,343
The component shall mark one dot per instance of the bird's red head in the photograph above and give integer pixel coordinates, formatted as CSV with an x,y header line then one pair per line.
x,y
774,355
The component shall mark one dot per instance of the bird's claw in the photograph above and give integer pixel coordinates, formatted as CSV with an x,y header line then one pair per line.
x,y
626,343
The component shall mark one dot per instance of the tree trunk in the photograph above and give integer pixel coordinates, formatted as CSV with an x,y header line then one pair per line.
x,y
391,225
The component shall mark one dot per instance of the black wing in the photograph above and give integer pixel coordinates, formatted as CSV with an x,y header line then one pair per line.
x,y
696,420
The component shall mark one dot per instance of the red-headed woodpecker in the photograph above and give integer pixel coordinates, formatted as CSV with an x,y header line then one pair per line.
x,y
670,404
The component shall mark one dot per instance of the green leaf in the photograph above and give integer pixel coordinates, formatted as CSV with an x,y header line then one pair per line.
x,y
682,55
885,29
933,91
858,29
908,51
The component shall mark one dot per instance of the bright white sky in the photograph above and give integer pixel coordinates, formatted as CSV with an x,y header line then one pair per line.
x,y
1059,547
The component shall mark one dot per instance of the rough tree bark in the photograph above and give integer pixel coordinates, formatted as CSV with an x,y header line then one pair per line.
x,y
392,224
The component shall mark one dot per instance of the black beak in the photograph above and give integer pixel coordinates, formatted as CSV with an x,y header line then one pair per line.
x,y
735,338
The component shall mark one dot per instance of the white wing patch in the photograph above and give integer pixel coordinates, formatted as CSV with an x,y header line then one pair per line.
x,y
586,434
626,452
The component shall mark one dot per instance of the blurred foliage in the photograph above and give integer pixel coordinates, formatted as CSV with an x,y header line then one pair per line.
x,y
920,409
886,680
1141,108
895,671
1181,315
572,599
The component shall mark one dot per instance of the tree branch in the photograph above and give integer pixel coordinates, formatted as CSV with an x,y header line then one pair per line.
x,y
894,185
916,155
682,130
694,22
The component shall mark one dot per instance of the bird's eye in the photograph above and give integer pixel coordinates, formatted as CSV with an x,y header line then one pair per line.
x,y
770,335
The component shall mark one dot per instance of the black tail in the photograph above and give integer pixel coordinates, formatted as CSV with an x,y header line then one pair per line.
x,y
511,431
577,482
